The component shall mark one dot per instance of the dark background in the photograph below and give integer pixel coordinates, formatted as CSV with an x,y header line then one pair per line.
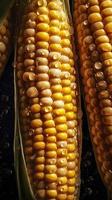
x,y
91,185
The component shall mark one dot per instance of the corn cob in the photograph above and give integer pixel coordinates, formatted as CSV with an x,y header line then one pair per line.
x,y
48,100
5,37
93,21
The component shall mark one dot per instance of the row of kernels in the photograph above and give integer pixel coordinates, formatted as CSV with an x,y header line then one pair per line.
x,y
24,109
59,117
67,91
42,39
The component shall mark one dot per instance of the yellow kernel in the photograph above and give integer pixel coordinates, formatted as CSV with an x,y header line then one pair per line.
x,y
71,115
65,42
62,180
43,27
62,136
32,92
94,17
108,27
35,108
56,88
60,120
59,111
65,34
38,138
49,123
42,36
57,96
50,131
51,193
105,4
65,82
53,6
69,106
65,67
105,47
51,146
71,147
50,168
102,39
66,90
62,152
39,175
55,47
51,139
67,98
54,30
55,22
72,181
54,14
51,154
61,162
62,196
62,171
71,157
42,45
36,123
61,127
55,64
43,18
50,177
107,20
107,11
40,160
39,145
62,188
39,168
70,173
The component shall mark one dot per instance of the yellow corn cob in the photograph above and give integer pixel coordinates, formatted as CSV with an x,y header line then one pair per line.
x,y
48,100
93,21
5,36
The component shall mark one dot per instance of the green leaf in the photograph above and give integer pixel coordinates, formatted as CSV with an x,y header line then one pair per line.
x,y
5,5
